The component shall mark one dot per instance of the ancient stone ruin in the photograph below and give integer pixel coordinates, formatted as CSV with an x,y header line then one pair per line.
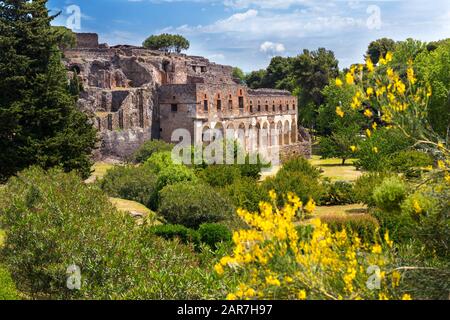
x,y
134,94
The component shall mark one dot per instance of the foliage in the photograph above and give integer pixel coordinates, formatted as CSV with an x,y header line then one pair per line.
x,y
53,221
339,143
66,38
254,79
274,264
390,194
170,232
167,42
220,175
246,193
366,184
409,162
131,183
433,68
8,289
378,49
374,152
239,74
212,234
149,148
365,226
338,193
40,122
159,161
298,176
191,205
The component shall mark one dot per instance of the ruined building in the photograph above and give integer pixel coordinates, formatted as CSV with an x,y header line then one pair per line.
x,y
135,94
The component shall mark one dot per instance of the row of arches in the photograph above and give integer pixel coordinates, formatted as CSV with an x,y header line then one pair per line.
x,y
256,136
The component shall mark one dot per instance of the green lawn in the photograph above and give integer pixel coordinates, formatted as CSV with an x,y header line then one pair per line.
x,y
352,209
134,208
333,169
99,169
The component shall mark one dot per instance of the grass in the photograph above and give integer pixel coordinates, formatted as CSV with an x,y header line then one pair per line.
x,y
134,208
99,171
352,209
333,169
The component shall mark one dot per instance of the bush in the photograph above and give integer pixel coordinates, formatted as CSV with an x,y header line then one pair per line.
x,y
339,193
149,148
365,225
212,234
191,205
390,194
131,183
409,162
366,184
388,142
399,225
220,175
300,164
246,193
159,160
53,221
252,170
301,184
170,232
8,289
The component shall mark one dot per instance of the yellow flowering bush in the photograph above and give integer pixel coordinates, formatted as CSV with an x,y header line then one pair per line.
x,y
275,263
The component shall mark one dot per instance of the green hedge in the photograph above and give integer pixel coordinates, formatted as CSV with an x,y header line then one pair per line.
x,y
212,234
170,232
365,225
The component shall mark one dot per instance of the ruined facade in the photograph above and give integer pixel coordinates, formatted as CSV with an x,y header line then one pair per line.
x,y
135,94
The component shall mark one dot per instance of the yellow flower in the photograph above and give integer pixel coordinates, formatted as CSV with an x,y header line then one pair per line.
x,y
369,65
273,195
377,249
382,61
270,280
301,295
389,242
219,269
417,208
349,78
374,126
288,280
441,164
339,112
406,297
411,76
339,82
310,206
429,91
389,56
390,73
368,113
353,148
383,296
396,277
370,91
375,150
231,296
368,133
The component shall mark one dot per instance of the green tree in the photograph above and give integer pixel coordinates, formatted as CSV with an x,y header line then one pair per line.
x,y
167,42
254,79
40,121
312,71
66,38
239,74
379,48
279,74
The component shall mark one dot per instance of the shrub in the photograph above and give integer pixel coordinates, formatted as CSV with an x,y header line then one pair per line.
x,y
8,289
364,225
212,234
170,232
409,162
366,184
246,193
53,221
339,193
149,148
220,175
131,183
159,160
387,141
390,194
252,170
191,205
300,164
305,186
399,225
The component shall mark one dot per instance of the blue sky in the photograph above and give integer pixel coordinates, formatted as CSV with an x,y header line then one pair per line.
x,y
247,33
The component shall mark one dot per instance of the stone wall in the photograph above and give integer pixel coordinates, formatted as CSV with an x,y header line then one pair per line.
x,y
87,40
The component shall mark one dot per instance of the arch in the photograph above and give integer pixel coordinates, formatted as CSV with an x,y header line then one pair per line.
x,y
273,136
241,135
294,132
287,132
265,137
219,131
280,133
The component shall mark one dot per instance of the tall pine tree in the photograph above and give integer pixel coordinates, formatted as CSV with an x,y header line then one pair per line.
x,y
39,121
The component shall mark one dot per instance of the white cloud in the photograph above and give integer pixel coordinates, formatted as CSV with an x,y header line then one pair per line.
x,y
272,48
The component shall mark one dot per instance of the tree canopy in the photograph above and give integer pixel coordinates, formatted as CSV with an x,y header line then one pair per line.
x,y
167,42
41,123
